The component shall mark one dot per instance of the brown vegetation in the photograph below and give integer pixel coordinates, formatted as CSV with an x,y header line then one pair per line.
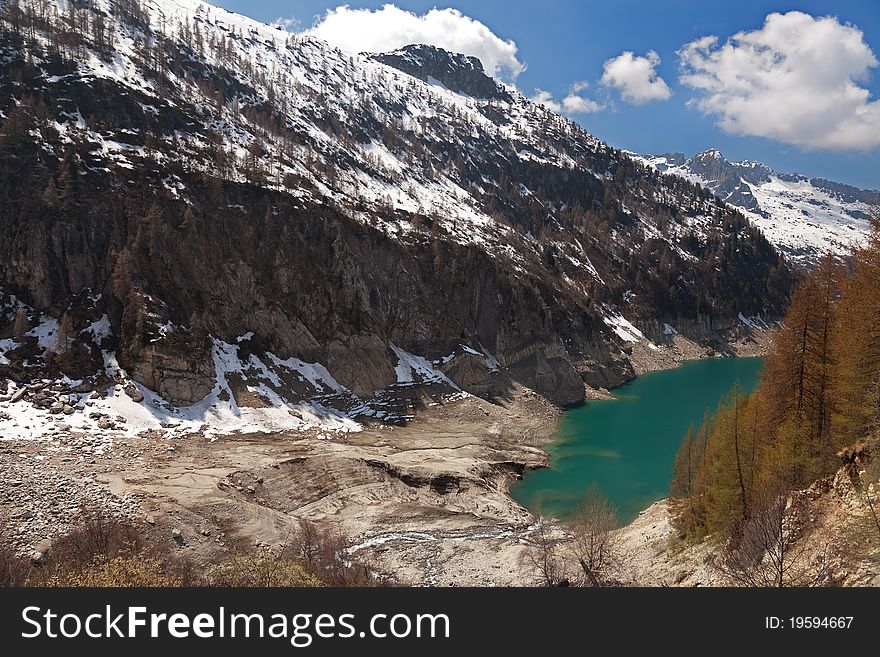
x,y
107,552
584,553
816,407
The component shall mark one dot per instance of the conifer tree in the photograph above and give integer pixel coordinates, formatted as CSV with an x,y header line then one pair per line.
x,y
683,469
819,392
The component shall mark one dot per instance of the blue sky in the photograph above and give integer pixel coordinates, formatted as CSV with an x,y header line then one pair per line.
x,y
562,42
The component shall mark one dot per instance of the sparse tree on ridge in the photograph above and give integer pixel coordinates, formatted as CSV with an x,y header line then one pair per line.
x,y
544,555
593,542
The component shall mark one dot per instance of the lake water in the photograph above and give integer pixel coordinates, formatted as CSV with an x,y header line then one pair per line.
x,y
627,444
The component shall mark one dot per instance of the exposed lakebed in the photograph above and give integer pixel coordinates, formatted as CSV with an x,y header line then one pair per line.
x,y
627,444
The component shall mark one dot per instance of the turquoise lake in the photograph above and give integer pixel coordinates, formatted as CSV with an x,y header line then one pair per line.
x,y
627,444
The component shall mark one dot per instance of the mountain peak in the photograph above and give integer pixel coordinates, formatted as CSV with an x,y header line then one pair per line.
x,y
803,216
457,72
422,54
709,154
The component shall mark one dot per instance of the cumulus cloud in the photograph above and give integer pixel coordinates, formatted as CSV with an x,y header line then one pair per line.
x,y
545,98
635,77
287,24
794,80
390,28
573,103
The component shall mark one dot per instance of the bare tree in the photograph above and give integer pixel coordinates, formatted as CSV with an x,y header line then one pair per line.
x,y
593,543
766,548
545,556
14,568
400,301
324,553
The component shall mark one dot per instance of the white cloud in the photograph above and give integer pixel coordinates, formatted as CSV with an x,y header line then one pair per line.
x,y
390,28
573,103
794,80
287,24
635,77
546,99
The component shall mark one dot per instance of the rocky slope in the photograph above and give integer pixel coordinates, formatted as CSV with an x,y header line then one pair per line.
x,y
803,217
425,502
832,539
214,225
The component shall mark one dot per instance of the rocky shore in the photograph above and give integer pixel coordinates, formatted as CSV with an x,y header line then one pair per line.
x,y
403,494
426,501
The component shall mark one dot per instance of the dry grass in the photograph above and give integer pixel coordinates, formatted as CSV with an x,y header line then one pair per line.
x,y
103,551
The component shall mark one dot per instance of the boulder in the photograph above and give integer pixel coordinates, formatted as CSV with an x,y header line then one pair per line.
x,y
179,378
85,386
132,391
544,367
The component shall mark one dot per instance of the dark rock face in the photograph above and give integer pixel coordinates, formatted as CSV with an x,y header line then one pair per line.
x,y
458,73
469,372
178,377
727,178
847,193
607,373
331,299
544,366
362,363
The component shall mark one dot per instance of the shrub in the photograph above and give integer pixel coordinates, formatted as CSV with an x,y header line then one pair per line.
x,y
260,571
14,568
136,570
103,551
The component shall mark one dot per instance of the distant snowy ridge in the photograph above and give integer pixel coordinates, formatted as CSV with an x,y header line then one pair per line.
x,y
804,217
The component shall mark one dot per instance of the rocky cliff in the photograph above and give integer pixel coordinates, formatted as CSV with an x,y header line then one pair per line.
x,y
228,217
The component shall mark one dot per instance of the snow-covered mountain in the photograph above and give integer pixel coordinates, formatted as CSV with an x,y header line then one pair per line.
x,y
804,217
207,214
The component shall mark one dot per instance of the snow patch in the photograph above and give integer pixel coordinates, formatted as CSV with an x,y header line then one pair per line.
x,y
624,330
5,346
99,330
215,415
315,373
757,322
409,366
45,332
